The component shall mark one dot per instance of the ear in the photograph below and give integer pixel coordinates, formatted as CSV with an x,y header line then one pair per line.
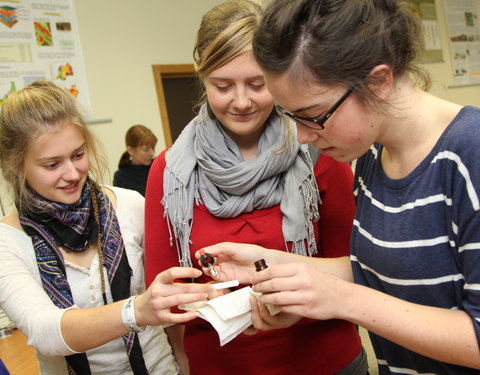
x,y
381,81
130,150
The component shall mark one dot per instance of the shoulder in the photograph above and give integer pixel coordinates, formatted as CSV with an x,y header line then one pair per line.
x,y
468,114
159,165
130,212
326,162
120,172
161,160
12,220
121,177
123,199
326,167
122,195
10,230
459,146
463,132
13,236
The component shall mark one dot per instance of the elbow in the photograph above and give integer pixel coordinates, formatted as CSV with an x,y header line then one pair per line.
x,y
45,335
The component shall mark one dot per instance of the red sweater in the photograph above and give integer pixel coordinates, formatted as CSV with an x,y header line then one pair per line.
x,y
309,347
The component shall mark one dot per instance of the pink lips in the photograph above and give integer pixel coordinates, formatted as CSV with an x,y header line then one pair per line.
x,y
242,116
72,188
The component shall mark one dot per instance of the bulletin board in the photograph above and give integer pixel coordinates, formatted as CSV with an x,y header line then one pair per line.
x,y
39,40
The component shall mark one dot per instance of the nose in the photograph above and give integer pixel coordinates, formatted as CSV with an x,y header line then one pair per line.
x,y
70,172
304,134
242,100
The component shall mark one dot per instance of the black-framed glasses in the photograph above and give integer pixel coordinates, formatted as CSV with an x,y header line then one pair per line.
x,y
307,121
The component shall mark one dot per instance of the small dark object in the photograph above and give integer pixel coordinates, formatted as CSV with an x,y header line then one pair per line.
x,y
207,260
260,265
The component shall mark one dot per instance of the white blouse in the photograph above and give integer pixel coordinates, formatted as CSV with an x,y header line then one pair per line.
x,y
28,306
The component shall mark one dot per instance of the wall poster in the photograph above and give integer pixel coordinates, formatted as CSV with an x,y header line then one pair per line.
x,y
427,13
464,34
39,39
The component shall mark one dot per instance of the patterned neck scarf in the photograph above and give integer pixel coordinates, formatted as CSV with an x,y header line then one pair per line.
x,y
205,163
51,225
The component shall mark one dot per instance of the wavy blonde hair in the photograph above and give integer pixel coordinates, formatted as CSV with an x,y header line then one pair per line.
x,y
225,32
25,116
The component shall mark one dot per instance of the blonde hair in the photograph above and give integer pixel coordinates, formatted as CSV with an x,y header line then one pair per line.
x,y
38,109
225,32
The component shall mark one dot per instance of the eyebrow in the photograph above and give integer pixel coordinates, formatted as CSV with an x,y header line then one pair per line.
x,y
56,156
303,109
260,76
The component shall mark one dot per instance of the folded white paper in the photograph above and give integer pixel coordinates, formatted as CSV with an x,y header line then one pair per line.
x,y
229,314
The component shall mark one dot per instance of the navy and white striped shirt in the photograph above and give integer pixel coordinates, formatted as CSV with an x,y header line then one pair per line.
x,y
418,238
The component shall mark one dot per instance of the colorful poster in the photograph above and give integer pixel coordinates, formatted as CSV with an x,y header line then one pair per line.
x,y
40,40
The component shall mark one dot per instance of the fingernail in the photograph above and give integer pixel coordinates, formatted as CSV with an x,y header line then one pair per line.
x,y
213,271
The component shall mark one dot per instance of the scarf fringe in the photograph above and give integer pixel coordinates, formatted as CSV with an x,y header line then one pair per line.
x,y
179,227
312,200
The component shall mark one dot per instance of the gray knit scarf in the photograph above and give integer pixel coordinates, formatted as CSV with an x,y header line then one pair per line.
x,y
205,166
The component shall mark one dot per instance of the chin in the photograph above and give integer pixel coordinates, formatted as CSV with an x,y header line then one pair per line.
x,y
68,200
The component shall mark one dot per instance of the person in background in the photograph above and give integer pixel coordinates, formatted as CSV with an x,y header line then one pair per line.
x,y
135,162
347,72
71,253
236,173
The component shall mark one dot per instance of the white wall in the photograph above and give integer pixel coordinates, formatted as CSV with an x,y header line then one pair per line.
x,y
121,40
